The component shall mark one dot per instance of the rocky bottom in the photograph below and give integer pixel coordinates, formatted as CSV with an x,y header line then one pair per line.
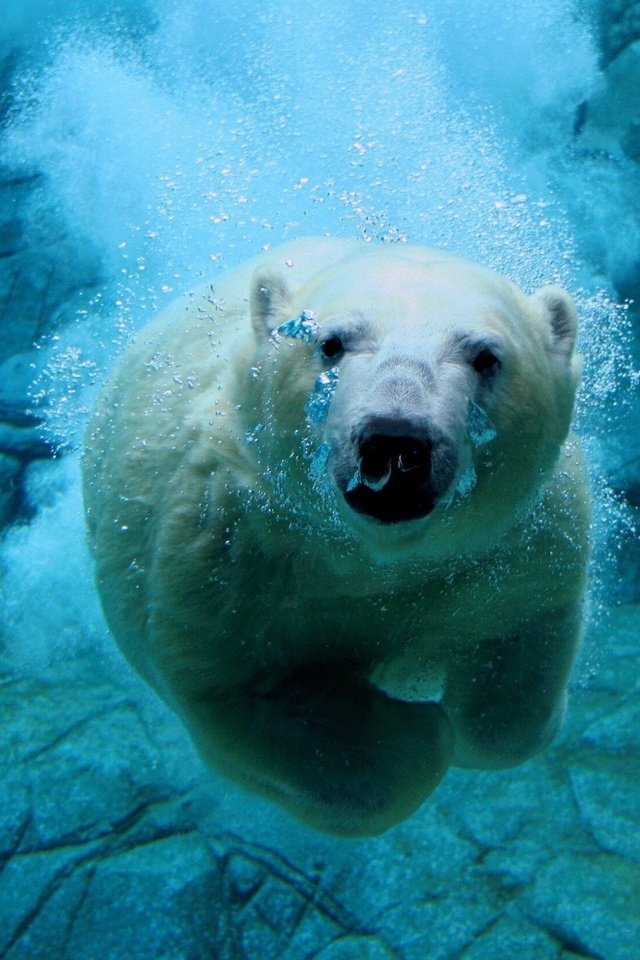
x,y
115,843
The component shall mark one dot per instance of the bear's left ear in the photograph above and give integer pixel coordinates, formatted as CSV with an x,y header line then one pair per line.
x,y
558,309
269,300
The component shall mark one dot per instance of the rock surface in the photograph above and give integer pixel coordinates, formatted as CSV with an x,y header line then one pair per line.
x,y
618,24
115,842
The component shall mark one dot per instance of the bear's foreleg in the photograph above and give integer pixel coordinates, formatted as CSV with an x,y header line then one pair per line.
x,y
506,697
335,751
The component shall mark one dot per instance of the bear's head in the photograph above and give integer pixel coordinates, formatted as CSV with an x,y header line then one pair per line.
x,y
434,394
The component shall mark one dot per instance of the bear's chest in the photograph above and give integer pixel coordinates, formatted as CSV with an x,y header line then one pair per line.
x,y
367,629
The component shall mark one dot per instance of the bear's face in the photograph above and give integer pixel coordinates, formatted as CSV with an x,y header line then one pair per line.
x,y
434,388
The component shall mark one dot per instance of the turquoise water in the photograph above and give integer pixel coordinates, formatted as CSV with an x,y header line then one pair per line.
x,y
144,151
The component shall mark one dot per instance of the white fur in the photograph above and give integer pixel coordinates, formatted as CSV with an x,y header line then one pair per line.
x,y
301,642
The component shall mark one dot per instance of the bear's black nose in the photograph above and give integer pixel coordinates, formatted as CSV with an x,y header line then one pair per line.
x,y
384,457
392,481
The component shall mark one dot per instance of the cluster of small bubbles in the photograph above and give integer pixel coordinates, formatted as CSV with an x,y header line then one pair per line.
x,y
607,403
59,391
614,525
372,225
158,361
609,378
318,467
218,303
252,436
466,482
480,428
303,327
317,406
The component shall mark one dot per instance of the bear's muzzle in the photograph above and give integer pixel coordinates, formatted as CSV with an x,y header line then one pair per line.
x,y
393,479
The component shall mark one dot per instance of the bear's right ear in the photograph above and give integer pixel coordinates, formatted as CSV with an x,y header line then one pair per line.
x,y
269,301
560,313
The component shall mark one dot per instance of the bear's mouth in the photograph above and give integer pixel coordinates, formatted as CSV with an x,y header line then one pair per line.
x,y
393,504
392,483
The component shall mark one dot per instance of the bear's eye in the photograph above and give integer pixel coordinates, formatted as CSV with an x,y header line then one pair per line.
x,y
332,347
486,363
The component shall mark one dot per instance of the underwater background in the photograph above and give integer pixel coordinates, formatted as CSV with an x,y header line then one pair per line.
x,y
143,150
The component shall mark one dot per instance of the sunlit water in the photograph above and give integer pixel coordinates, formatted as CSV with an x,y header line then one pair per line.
x,y
177,139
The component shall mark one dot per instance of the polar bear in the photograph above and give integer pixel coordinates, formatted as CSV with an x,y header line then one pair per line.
x,y
340,526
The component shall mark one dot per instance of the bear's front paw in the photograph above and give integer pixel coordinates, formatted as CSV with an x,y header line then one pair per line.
x,y
496,736
335,751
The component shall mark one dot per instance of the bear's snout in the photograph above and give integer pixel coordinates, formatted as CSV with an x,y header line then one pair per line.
x,y
382,455
392,482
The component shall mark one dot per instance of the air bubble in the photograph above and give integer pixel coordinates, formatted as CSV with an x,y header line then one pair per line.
x,y
302,327
318,403
480,428
466,482
317,470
